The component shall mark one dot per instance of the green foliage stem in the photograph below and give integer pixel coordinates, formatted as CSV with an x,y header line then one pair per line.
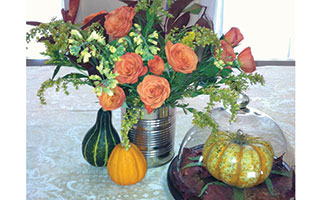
x,y
226,96
61,82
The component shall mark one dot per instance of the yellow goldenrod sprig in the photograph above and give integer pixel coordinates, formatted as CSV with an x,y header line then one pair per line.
x,y
131,117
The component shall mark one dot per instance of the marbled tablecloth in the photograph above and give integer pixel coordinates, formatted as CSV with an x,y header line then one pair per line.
x,y
56,168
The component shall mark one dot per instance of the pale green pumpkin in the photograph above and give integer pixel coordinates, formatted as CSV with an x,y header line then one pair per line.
x,y
238,159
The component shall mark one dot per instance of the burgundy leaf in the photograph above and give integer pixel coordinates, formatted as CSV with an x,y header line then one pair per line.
x,y
203,23
140,16
33,23
217,192
278,163
64,14
73,8
194,9
50,39
92,70
178,6
175,9
99,18
212,25
130,3
194,183
71,14
181,21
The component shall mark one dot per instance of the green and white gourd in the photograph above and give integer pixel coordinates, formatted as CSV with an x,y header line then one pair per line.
x,y
100,140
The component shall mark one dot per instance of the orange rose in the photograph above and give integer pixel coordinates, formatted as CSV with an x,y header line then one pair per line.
x,y
233,36
112,102
130,68
181,57
90,17
246,61
153,91
228,53
156,65
119,22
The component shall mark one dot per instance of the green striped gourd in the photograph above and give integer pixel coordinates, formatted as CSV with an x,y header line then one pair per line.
x,y
100,140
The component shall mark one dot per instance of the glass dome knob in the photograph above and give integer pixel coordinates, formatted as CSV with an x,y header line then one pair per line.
x,y
243,101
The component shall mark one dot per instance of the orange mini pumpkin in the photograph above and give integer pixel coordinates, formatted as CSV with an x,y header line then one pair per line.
x,y
126,167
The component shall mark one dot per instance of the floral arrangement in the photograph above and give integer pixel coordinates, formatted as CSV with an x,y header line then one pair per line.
x,y
145,56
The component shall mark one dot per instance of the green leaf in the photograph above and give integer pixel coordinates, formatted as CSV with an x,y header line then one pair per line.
x,y
194,158
146,54
196,93
287,174
209,60
204,189
238,193
76,75
194,9
150,22
194,165
180,78
56,70
130,45
191,110
185,111
211,71
269,186
225,72
96,83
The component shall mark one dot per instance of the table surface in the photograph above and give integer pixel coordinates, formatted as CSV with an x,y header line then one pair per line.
x,y
56,168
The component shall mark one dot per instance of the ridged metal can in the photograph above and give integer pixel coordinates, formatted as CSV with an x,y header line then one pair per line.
x,y
154,135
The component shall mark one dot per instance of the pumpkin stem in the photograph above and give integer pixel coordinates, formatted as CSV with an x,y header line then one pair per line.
x,y
240,138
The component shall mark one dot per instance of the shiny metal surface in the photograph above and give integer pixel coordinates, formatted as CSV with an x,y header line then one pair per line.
x,y
154,135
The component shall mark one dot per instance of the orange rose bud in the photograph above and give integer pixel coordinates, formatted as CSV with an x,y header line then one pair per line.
x,y
112,102
90,17
181,57
228,53
130,68
119,22
246,61
156,65
233,36
153,91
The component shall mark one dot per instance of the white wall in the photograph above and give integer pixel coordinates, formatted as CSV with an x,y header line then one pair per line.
x,y
88,7
267,26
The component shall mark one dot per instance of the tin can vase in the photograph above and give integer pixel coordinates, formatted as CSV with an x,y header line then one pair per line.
x,y
154,135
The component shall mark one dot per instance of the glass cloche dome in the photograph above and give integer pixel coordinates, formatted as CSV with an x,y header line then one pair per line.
x,y
250,155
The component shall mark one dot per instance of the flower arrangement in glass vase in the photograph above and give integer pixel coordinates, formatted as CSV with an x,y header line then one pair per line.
x,y
146,56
